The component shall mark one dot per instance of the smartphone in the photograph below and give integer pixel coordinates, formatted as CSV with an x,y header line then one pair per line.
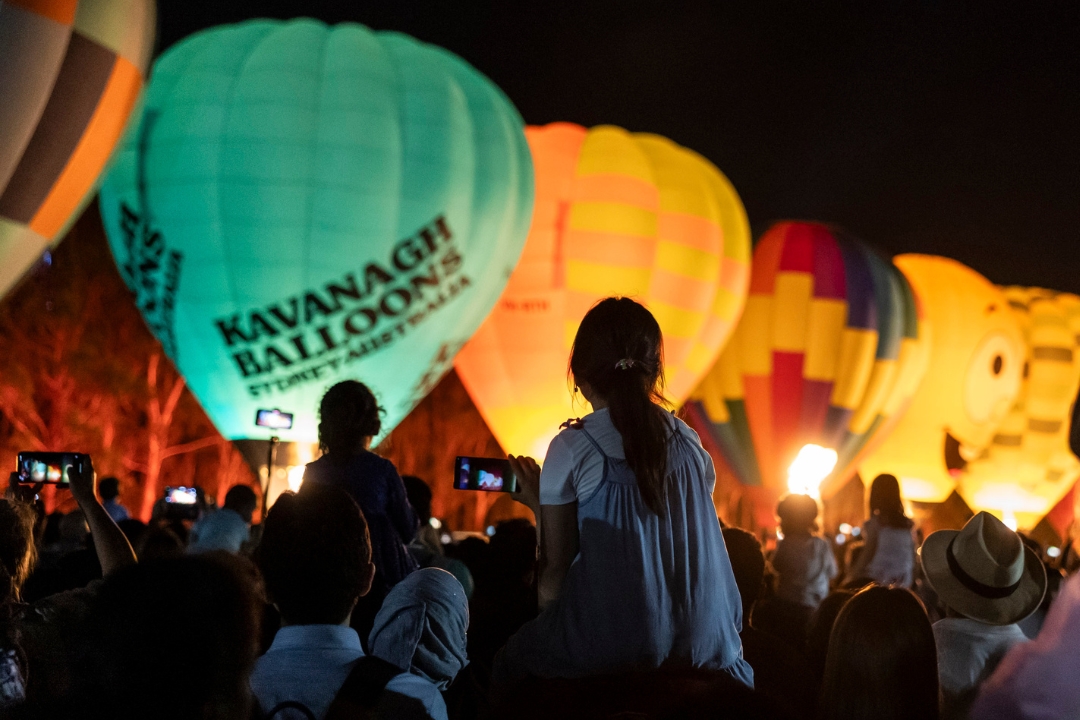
x,y
487,474
50,467
274,419
181,503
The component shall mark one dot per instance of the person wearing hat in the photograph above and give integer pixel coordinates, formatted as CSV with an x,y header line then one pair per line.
x,y
989,581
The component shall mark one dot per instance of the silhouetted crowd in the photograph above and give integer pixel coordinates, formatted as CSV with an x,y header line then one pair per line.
x,y
627,599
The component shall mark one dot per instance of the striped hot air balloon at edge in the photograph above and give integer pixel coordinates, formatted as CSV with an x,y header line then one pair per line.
x,y
70,76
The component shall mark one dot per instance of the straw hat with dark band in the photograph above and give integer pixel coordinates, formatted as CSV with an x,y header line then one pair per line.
x,y
984,571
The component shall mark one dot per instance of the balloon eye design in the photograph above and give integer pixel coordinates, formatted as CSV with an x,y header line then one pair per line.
x,y
992,379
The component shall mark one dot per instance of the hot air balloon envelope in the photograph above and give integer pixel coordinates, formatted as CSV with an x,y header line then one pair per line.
x,y
975,363
1028,466
302,203
617,213
70,74
828,350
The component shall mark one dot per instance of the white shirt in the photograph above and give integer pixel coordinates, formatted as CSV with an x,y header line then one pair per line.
x,y
309,663
968,651
805,564
573,469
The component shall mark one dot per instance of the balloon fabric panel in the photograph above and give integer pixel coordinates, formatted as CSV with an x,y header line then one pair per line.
x,y
974,362
616,213
318,203
1028,466
815,359
70,74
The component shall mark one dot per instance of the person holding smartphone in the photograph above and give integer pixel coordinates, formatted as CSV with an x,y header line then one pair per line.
x,y
49,630
633,570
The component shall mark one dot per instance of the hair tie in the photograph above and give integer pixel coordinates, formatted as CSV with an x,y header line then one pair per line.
x,y
625,364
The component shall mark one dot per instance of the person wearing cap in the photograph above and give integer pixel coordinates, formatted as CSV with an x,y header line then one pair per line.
x,y
989,581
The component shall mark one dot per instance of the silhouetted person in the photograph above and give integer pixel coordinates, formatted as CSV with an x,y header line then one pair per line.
x,y
505,597
426,547
349,418
988,580
176,639
51,628
882,663
780,671
315,557
631,482
804,564
1039,680
820,627
109,490
888,553
228,528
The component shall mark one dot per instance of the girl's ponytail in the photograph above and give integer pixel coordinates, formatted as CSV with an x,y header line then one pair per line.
x,y
619,352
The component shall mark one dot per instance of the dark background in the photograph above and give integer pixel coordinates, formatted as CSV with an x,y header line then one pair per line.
x,y
921,127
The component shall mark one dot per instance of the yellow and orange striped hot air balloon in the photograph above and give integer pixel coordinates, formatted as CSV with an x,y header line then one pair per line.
x,y
976,359
829,349
1028,466
70,75
616,213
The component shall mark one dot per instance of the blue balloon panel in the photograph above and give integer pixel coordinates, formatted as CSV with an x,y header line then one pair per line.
x,y
301,203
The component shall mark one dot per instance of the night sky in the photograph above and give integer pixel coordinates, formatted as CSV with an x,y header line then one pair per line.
x,y
920,127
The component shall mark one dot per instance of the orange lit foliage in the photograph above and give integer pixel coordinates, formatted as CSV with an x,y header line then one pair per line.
x,y
80,371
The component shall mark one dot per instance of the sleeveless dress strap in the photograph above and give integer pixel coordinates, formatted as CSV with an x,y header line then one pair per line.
x,y
595,444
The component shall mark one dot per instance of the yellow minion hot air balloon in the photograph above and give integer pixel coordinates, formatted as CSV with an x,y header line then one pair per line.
x,y
973,376
70,74
616,213
1028,466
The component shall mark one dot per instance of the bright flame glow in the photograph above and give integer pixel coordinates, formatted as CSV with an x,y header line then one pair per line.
x,y
1009,518
845,528
812,465
296,477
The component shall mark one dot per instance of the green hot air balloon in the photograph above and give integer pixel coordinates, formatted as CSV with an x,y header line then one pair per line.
x,y
302,203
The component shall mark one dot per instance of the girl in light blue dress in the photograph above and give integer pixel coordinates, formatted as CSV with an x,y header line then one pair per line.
x,y
634,574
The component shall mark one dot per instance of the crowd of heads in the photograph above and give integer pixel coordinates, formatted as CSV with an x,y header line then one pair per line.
x,y
185,616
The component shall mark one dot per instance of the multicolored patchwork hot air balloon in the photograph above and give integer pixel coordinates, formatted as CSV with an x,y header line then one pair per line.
x,y
830,347
976,359
616,213
1028,466
70,74
302,203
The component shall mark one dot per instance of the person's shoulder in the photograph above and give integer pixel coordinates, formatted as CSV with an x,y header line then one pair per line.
x,y
413,685
416,687
679,427
954,627
569,435
378,463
